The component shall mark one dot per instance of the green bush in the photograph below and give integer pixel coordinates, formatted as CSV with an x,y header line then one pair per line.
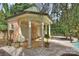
x,y
3,26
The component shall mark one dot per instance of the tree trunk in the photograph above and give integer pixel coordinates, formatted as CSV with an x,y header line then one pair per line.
x,y
71,38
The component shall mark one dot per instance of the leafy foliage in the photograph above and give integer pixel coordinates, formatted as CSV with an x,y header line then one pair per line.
x,y
7,12
69,21
20,7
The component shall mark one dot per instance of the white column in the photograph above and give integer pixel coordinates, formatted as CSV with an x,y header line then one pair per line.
x,y
9,28
49,30
30,37
42,34
45,29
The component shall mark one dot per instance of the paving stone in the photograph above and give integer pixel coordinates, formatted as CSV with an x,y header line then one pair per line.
x,y
4,53
53,50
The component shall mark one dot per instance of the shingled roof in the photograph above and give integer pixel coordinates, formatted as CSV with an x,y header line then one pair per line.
x,y
31,10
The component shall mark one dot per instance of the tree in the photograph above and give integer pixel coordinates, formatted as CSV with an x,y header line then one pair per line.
x,y
69,20
10,11
3,24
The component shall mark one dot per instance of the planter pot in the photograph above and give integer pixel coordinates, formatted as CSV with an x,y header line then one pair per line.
x,y
25,45
16,45
46,44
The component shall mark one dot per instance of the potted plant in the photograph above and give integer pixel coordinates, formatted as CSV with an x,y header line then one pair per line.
x,y
46,41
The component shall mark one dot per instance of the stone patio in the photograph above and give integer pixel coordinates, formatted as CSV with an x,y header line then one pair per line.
x,y
55,49
4,53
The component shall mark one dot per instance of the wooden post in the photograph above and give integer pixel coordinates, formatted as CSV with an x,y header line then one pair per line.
x,y
8,34
30,35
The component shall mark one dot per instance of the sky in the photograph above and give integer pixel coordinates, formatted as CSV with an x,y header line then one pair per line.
x,y
1,6
9,5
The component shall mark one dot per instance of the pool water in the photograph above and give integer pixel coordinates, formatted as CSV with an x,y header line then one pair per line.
x,y
76,44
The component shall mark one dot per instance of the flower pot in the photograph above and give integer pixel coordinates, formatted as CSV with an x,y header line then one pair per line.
x,y
16,45
46,44
25,45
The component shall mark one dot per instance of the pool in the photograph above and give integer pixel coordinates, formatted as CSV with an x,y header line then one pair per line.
x,y
76,44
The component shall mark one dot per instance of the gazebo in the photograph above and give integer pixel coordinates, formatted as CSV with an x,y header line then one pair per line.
x,y
30,25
